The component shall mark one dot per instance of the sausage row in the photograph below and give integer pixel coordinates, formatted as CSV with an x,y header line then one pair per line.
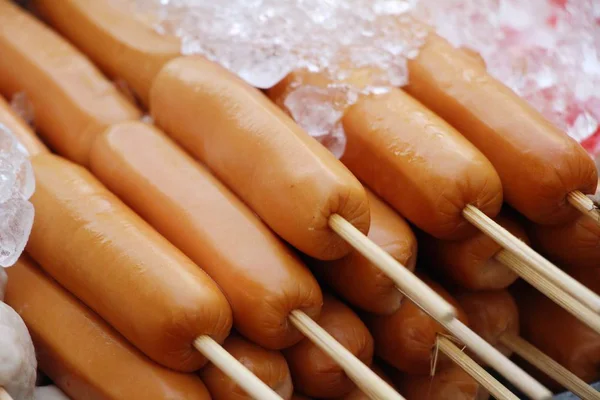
x,y
336,192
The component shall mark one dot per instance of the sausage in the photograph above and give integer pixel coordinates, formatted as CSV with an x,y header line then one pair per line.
x,y
357,394
268,365
470,263
557,333
356,279
410,157
83,355
491,314
261,277
538,164
407,338
575,244
419,164
314,373
73,102
20,129
114,40
450,383
291,181
108,257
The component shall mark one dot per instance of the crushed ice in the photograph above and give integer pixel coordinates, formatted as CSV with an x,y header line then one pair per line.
x,y
262,41
548,51
17,184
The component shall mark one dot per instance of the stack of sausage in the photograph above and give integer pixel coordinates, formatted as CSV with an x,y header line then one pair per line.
x,y
127,212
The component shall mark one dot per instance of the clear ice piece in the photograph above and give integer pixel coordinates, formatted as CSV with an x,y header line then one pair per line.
x,y
16,221
17,356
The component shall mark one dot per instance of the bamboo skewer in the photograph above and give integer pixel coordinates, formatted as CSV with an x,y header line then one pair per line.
x,y
483,377
369,382
4,394
405,280
550,367
532,259
498,361
566,301
233,369
584,204
437,308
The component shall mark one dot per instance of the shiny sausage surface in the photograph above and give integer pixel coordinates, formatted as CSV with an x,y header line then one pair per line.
x,y
356,279
71,99
107,256
575,244
268,365
407,338
315,373
261,277
419,164
82,354
491,314
292,182
113,39
538,164
471,262
408,155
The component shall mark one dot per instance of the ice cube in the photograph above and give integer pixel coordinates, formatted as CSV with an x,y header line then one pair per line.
x,y
17,356
16,221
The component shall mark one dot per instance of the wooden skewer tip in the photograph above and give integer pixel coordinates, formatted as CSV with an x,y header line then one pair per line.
x,y
498,361
4,394
406,281
531,258
367,380
214,352
566,301
475,370
584,204
550,367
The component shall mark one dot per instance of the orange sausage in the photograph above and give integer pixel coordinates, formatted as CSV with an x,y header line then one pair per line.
x,y
20,129
450,383
560,335
113,39
73,102
419,164
261,277
291,181
315,373
82,354
491,314
108,257
357,394
406,338
356,279
470,263
268,365
538,164
409,156
575,244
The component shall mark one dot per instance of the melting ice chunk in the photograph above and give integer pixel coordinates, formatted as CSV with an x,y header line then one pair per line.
x,y
17,184
16,221
547,51
17,355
